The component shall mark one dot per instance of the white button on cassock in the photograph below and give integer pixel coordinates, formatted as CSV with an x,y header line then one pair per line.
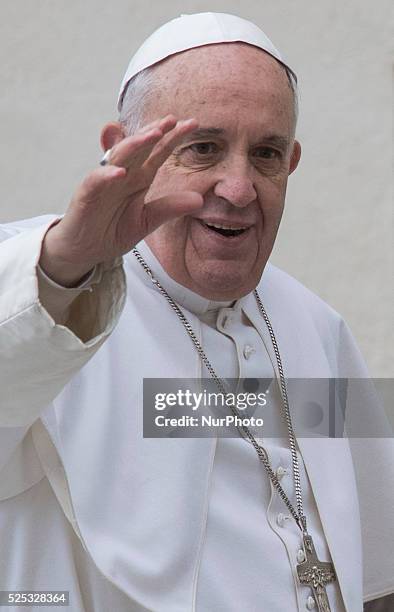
x,y
281,519
310,603
280,472
248,350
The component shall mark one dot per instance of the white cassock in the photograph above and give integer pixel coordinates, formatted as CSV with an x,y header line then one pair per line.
x,y
132,524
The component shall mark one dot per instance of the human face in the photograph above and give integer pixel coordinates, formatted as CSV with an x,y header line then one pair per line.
x,y
238,159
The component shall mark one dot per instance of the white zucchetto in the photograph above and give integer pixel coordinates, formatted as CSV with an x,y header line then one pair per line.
x,y
196,30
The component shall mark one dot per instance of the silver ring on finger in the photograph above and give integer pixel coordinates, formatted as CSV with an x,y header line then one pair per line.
x,y
105,159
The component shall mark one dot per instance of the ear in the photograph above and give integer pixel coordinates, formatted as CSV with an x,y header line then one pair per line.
x,y
111,134
295,156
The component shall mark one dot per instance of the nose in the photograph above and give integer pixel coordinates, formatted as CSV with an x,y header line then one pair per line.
x,y
235,184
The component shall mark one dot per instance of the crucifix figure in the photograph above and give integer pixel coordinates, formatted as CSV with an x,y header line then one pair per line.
x,y
316,574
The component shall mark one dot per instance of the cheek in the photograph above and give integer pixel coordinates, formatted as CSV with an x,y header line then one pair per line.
x,y
271,203
272,197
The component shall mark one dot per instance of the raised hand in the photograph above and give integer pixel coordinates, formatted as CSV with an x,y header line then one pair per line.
x,y
108,215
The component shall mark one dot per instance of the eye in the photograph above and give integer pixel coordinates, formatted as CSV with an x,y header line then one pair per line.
x,y
204,148
267,153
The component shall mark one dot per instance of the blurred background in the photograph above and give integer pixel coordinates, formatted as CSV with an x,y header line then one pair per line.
x,y
62,64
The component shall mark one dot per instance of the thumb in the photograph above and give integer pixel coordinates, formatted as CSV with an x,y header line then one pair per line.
x,y
170,207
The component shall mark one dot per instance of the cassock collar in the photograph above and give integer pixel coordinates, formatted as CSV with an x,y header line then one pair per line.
x,y
193,302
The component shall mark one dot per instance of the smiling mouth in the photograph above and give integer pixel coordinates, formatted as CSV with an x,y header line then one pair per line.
x,y
224,230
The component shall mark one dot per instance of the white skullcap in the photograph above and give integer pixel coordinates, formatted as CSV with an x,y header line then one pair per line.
x,y
190,31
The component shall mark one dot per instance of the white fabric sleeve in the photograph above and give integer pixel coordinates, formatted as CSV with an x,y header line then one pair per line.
x,y
57,299
38,356
372,447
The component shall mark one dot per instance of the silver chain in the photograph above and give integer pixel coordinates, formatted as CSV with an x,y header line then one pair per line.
x,y
298,514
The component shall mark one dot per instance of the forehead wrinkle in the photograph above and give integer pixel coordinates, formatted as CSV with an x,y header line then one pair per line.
x,y
191,81
219,59
202,132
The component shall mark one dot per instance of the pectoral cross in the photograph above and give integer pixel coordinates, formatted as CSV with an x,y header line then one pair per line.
x,y
316,574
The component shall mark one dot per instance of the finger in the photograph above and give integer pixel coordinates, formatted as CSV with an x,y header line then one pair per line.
x,y
166,208
164,124
133,150
168,124
167,144
98,180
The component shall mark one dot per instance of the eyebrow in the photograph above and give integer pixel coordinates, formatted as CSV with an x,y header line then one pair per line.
x,y
272,139
276,140
205,132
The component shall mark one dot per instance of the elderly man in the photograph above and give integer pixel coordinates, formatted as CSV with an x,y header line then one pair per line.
x,y
191,192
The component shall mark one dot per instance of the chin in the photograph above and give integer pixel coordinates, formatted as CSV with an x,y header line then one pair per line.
x,y
224,282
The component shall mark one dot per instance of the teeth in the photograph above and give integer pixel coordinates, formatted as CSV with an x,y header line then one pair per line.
x,y
225,227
